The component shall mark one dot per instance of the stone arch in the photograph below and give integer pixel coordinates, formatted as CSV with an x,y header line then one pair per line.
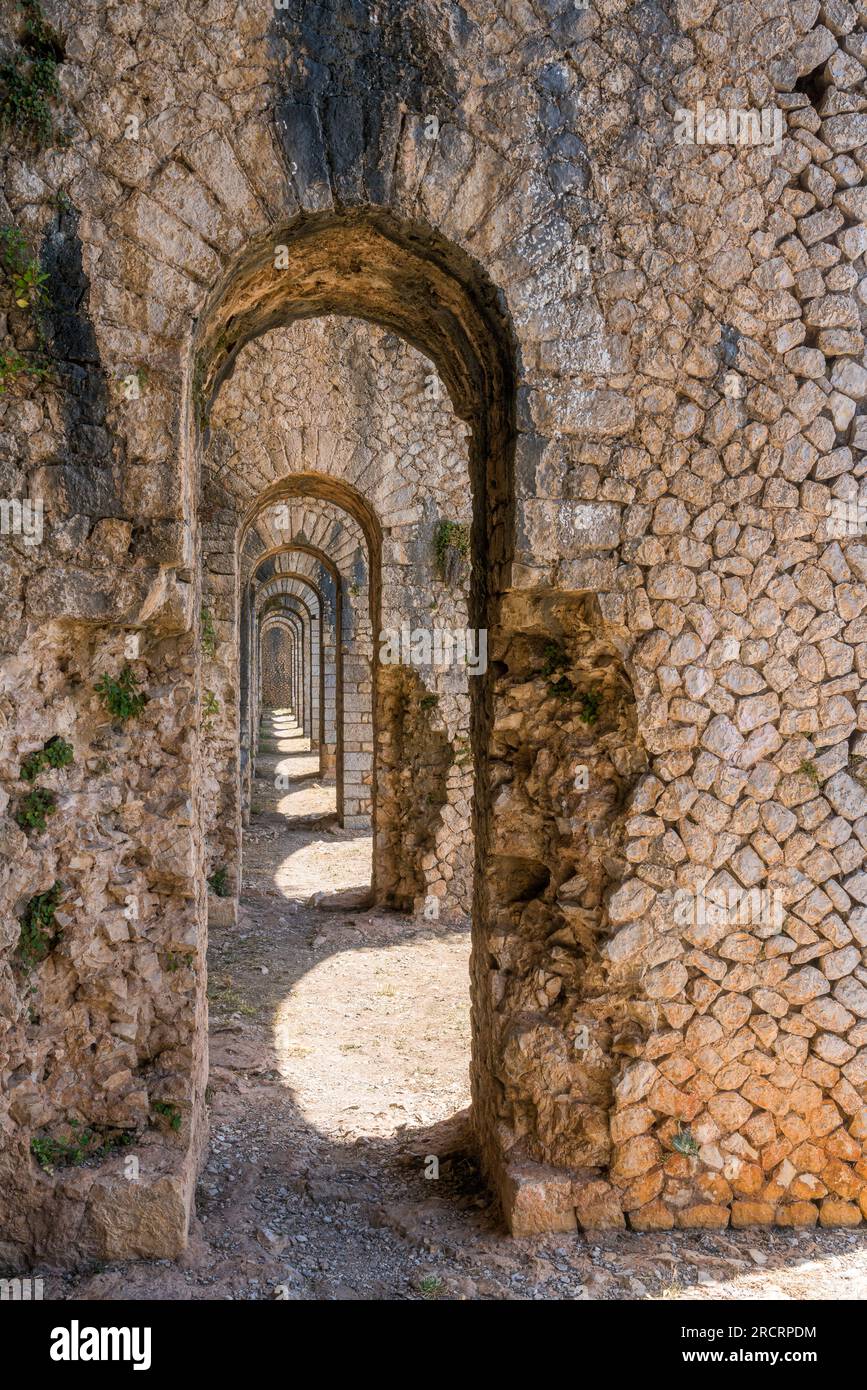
x,y
282,665
293,584
405,277
291,603
287,608
317,525
332,646
365,263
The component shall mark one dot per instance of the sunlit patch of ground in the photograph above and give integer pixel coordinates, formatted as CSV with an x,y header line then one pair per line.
x,y
325,864
376,1037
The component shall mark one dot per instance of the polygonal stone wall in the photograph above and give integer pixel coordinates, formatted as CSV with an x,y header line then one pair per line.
x,y
649,315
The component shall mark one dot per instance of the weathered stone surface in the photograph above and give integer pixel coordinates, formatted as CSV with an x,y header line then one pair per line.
x,y
537,1199
623,352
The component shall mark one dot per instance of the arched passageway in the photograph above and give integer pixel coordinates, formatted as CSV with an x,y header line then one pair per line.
x,y
416,762
529,884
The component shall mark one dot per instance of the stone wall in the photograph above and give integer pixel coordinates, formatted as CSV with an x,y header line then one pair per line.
x,y
651,336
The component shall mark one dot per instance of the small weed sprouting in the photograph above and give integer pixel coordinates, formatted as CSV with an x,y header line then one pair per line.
x,y
34,808
209,634
430,1286
13,367
225,997
429,701
122,697
174,960
39,932
562,687
685,1142
463,752
219,882
28,78
451,547
555,659
590,702
26,282
210,706
26,278
52,1153
168,1111
55,753
83,1143
809,769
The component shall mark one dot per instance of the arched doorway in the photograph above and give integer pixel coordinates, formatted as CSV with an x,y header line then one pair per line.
x,y
365,265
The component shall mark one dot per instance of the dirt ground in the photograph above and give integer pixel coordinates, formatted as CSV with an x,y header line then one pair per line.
x,y
339,1064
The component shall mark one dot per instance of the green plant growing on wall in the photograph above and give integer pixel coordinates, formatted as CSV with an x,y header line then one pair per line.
x,y
83,1143
209,633
28,78
122,697
32,766
809,769
55,753
53,1153
590,702
685,1142
555,659
34,807
27,280
451,547
463,752
429,701
219,882
13,367
562,687
168,1111
210,706
26,283
175,959
39,931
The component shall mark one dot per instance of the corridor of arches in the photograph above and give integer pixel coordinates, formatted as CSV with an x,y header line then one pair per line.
x,y
352,447
336,509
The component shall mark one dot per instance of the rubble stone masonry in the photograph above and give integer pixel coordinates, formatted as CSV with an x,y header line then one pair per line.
x,y
592,280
